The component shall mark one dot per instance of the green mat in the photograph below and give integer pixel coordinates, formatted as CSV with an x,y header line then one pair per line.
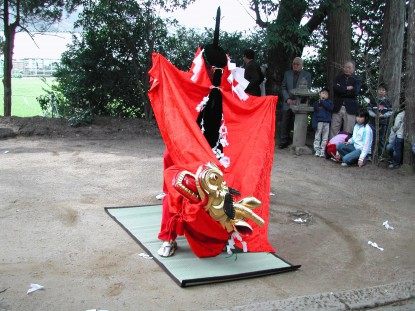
x,y
143,222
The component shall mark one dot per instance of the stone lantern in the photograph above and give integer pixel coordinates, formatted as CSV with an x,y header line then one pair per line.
x,y
301,108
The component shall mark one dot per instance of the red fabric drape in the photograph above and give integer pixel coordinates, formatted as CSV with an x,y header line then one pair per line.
x,y
251,126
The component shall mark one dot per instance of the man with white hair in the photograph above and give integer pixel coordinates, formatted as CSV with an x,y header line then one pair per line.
x,y
346,88
291,80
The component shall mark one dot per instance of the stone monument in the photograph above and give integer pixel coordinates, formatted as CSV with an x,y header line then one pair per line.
x,y
301,109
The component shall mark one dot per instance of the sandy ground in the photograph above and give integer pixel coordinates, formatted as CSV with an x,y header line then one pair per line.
x,y
54,230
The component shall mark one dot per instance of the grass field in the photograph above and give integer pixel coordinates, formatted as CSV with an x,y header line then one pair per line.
x,y
24,93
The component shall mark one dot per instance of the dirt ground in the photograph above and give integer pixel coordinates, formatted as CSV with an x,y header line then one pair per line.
x,y
55,182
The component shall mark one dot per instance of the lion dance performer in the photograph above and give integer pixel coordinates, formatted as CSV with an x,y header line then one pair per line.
x,y
219,153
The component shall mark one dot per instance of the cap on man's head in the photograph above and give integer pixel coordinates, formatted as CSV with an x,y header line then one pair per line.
x,y
250,54
324,89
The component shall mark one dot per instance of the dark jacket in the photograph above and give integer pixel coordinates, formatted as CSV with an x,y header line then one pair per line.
x,y
322,110
255,77
344,97
384,113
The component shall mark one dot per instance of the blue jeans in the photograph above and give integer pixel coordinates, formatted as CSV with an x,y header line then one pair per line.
x,y
349,153
395,150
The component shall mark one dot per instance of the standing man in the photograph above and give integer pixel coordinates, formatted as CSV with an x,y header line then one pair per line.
x,y
253,73
291,80
346,88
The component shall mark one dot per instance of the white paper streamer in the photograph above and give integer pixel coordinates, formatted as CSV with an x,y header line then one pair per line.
x,y
34,287
198,61
387,225
375,245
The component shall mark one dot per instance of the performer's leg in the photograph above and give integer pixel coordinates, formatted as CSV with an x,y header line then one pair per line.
x,y
167,234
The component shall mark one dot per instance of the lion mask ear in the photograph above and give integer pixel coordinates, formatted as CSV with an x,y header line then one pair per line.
x,y
213,53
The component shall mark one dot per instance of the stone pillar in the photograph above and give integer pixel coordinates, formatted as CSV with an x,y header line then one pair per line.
x,y
300,129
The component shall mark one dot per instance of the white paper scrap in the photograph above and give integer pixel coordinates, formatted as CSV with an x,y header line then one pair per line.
x,y
144,255
160,196
34,287
387,225
300,220
6,152
375,245
271,193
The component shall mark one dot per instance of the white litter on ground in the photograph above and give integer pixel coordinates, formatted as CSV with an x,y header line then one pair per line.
x,y
375,245
300,220
387,225
144,255
160,196
34,287
271,193
6,152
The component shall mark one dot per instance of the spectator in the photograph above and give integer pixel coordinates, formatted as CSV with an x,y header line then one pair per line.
x,y
253,73
380,106
346,88
290,81
264,68
395,144
358,147
334,142
322,115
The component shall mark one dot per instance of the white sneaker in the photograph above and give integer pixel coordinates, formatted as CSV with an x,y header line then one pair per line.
x,y
322,154
317,154
344,164
167,249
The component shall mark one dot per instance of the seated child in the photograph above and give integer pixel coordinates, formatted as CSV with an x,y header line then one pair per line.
x,y
395,144
358,147
331,148
380,106
322,116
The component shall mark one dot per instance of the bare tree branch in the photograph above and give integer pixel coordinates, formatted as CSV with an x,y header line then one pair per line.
x,y
17,20
318,16
247,12
258,19
30,35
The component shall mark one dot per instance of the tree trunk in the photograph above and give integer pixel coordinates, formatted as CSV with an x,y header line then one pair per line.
x,y
279,61
339,38
279,56
9,33
392,49
410,87
8,66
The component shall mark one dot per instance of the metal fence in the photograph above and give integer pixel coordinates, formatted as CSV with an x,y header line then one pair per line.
x,y
33,67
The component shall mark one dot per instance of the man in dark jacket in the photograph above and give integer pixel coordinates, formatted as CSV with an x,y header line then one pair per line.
x,y
346,89
253,73
292,78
